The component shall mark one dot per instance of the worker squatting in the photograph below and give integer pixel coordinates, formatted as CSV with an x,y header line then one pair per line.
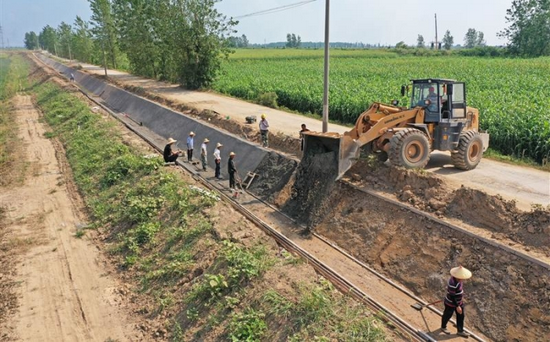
x,y
171,155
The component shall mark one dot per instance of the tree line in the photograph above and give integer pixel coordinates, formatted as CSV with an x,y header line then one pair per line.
x,y
175,40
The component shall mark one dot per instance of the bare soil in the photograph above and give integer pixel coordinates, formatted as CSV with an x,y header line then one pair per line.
x,y
507,296
64,290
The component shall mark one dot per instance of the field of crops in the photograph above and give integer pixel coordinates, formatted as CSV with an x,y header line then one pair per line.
x,y
513,95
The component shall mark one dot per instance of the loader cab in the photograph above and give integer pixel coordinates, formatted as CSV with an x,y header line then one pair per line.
x,y
443,99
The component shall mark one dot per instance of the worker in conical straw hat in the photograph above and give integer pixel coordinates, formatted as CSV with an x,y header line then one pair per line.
x,y
204,153
190,146
218,160
453,300
169,154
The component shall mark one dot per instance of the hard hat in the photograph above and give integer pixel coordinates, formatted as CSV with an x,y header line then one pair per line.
x,y
172,140
232,154
192,133
219,145
206,140
263,116
461,273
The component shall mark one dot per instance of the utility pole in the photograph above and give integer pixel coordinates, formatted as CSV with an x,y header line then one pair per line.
x,y
436,43
325,78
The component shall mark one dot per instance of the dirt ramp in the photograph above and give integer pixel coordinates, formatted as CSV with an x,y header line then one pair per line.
x,y
508,296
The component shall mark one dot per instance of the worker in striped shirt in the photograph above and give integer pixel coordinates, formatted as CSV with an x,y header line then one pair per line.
x,y
453,300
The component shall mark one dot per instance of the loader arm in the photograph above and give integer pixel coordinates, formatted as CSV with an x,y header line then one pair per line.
x,y
370,125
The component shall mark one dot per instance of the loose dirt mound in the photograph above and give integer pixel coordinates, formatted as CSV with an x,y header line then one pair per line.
x,y
274,172
506,295
500,216
313,182
428,192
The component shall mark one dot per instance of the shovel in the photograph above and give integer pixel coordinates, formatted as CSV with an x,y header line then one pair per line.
x,y
419,306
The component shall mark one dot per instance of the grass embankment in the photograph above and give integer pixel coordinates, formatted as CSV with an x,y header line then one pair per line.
x,y
13,77
202,271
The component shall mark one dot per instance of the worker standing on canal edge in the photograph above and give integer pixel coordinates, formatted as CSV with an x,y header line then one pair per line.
x,y
170,156
264,130
218,160
453,300
204,153
304,129
190,144
231,169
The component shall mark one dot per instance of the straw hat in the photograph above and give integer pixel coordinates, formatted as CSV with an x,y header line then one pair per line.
x,y
171,140
461,273
263,116
232,154
192,133
206,140
218,145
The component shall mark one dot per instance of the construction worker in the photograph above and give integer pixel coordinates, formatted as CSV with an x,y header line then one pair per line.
x,y
304,129
169,155
231,169
218,160
190,144
264,130
204,153
453,300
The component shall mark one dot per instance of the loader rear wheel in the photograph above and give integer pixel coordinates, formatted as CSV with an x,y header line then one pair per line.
x,y
469,151
409,148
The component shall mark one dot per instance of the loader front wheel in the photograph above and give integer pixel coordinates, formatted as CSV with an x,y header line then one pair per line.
x,y
469,151
410,149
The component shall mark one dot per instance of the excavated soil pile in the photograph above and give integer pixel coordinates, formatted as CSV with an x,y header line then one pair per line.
x,y
428,192
313,183
507,298
501,216
273,173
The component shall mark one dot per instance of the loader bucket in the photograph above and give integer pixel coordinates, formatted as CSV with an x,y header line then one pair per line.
x,y
344,148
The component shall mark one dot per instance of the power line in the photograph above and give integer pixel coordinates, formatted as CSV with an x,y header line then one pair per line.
x,y
275,9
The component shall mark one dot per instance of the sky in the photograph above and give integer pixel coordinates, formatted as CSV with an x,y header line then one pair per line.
x,y
382,21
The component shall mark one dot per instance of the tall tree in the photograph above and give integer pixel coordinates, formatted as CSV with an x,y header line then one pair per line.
x,y
83,44
201,32
48,39
103,28
420,42
244,41
288,40
31,40
470,40
480,39
65,34
448,40
136,30
529,30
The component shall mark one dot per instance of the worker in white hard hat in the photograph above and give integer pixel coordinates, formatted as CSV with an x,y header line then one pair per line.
x,y
169,154
218,160
204,153
190,146
264,130
453,300
231,169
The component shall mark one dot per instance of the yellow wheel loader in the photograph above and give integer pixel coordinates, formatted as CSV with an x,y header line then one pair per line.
x,y
437,119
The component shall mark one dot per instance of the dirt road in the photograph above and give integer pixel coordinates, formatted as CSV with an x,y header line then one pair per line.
x,y
66,293
525,185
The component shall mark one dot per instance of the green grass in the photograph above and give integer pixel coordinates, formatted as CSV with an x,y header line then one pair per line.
x,y
161,235
512,94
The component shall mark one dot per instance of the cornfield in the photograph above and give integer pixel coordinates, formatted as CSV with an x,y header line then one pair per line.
x,y
513,95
